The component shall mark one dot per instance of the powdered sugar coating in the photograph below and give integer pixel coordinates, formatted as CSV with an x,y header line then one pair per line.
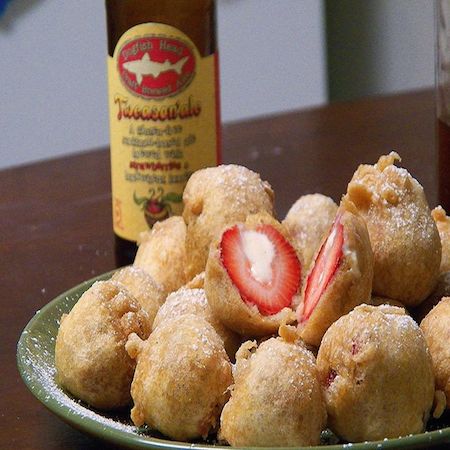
x,y
273,407
46,373
193,301
404,237
143,287
376,370
181,379
162,253
90,355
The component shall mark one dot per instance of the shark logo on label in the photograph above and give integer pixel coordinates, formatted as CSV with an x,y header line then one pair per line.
x,y
155,67
145,66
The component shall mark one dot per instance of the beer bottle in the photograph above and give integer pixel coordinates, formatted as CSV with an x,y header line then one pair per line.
x,y
163,108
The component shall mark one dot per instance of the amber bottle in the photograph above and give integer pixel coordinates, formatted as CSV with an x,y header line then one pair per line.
x,y
164,108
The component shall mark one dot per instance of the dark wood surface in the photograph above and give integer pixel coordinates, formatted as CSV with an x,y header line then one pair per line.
x,y
55,226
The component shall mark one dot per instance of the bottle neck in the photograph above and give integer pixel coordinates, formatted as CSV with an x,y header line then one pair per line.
x,y
195,18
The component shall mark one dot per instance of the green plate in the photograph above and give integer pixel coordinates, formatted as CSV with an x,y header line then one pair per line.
x,y
36,363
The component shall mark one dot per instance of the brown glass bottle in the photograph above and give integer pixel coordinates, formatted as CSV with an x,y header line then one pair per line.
x,y
196,20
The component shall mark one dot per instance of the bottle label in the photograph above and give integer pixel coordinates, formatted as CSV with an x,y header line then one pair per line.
x,y
164,123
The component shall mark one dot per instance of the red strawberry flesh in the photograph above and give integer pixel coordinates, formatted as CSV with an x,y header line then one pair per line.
x,y
324,269
274,290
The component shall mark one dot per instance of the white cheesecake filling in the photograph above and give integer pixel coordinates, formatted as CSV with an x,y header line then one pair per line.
x,y
260,252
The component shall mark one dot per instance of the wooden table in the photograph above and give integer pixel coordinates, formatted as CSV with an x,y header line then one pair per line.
x,y
55,226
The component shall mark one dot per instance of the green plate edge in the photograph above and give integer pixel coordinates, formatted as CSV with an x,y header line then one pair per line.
x,y
36,345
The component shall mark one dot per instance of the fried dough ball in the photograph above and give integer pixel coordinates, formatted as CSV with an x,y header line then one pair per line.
x,y
436,326
340,277
182,378
215,197
404,237
193,301
307,221
162,253
441,290
377,374
276,400
375,300
90,357
145,290
443,225
237,298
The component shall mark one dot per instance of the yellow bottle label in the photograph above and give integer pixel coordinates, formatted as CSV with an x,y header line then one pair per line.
x,y
164,123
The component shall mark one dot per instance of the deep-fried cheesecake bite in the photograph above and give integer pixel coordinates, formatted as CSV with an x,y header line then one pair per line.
x,y
144,289
182,378
307,221
253,277
90,357
162,253
376,371
215,197
276,400
443,225
340,276
404,237
193,301
436,328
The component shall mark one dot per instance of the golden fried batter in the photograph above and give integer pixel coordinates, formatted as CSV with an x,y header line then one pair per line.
x,y
307,221
145,290
404,237
443,226
276,400
376,371
436,328
90,356
441,290
182,378
162,253
375,300
193,301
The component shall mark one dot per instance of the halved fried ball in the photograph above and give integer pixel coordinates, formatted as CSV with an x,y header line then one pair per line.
x,y
340,276
253,276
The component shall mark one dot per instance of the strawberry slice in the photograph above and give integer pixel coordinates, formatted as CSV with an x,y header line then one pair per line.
x,y
325,266
262,265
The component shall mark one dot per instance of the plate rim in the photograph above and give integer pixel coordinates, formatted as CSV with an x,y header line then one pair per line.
x,y
93,427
